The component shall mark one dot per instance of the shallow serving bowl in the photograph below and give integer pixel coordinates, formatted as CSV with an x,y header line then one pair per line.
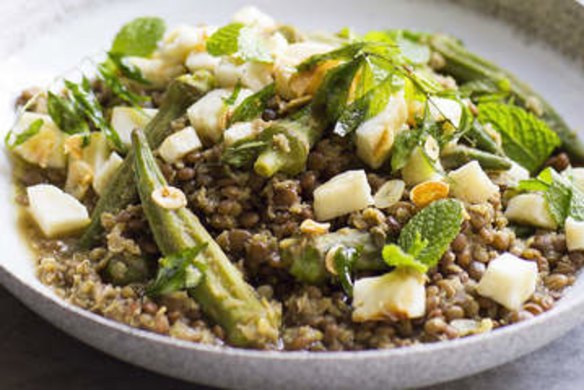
x,y
544,45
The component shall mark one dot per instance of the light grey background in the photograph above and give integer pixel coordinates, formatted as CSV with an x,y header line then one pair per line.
x,y
34,355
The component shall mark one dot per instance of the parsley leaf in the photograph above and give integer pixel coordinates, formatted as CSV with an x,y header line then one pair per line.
x,y
253,106
527,140
33,129
179,271
139,37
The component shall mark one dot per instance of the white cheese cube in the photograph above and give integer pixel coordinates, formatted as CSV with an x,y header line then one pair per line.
x,y
509,281
179,144
276,44
578,177
183,40
374,137
56,212
530,209
124,120
423,164
209,114
45,148
399,294
574,234
256,75
511,177
156,70
202,60
287,84
106,172
252,16
79,178
343,194
471,184
443,109
227,73
240,131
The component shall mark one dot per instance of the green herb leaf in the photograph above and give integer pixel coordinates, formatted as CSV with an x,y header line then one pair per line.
x,y
243,153
230,100
526,139
254,105
139,37
87,102
562,197
127,69
429,233
404,145
225,41
111,80
178,272
394,256
344,261
20,138
331,97
409,43
68,117
367,106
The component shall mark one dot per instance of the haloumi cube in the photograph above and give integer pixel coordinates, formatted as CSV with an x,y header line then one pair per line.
x,y
343,194
45,148
156,70
509,281
530,209
471,184
574,234
179,144
56,212
103,176
124,120
398,294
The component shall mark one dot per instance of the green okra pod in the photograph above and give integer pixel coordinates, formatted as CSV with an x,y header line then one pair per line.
x,y
224,296
180,95
465,66
454,156
306,256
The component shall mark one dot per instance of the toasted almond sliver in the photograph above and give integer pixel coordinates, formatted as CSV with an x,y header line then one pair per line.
x,y
170,198
329,259
389,193
429,191
311,227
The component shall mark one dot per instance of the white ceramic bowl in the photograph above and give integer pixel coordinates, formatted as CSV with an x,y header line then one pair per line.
x,y
41,39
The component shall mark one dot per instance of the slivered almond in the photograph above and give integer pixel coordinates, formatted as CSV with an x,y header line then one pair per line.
x,y
429,191
313,228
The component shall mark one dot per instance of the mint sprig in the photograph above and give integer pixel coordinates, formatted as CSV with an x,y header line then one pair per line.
x,y
526,139
254,105
426,236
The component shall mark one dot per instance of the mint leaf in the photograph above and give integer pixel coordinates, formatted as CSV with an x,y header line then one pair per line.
x,y
230,100
107,73
254,105
526,139
179,271
243,153
33,129
437,224
127,69
394,256
68,117
331,97
225,41
409,43
404,145
236,39
372,103
86,102
139,37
